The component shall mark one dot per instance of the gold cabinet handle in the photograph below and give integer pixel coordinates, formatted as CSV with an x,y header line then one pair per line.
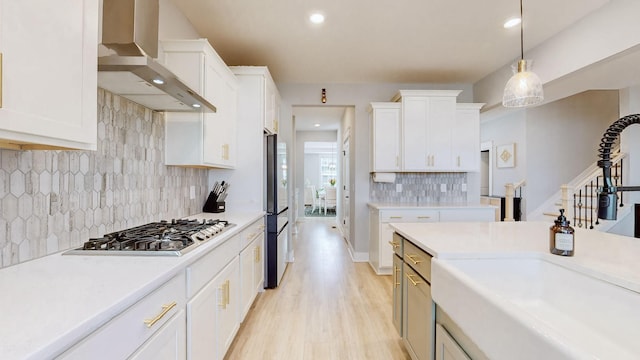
x,y
225,151
458,161
424,217
394,244
413,282
395,217
165,309
256,251
414,261
225,295
396,281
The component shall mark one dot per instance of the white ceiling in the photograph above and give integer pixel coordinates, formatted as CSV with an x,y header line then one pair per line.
x,y
328,117
363,41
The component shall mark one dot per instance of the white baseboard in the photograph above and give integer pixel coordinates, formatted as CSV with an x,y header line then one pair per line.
x,y
358,256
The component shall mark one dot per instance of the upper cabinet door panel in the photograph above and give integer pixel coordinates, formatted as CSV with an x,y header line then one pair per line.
x,y
385,144
439,130
49,73
415,111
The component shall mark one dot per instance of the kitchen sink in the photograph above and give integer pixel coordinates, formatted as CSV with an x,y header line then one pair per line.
x,y
533,308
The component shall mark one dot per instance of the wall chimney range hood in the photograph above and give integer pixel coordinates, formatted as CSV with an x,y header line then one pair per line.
x,y
127,65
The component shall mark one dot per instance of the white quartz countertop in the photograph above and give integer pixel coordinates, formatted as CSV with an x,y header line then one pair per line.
x,y
48,304
418,206
500,284
612,257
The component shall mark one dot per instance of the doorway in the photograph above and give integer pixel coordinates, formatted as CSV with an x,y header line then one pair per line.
x,y
320,178
486,169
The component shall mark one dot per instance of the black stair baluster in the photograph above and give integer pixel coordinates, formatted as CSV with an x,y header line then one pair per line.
x,y
620,164
592,208
586,208
575,211
597,192
579,208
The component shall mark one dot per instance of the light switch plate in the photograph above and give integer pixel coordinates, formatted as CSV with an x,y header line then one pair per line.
x,y
464,187
398,187
192,192
443,187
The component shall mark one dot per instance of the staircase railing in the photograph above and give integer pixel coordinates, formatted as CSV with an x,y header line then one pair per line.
x,y
580,199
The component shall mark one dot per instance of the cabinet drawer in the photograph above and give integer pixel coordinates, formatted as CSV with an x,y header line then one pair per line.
x,y
398,244
251,233
134,326
409,216
203,270
418,259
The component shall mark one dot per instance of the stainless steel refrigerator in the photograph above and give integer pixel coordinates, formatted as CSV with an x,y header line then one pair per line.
x,y
276,211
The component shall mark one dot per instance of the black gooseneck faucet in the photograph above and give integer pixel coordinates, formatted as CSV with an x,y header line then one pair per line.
x,y
608,196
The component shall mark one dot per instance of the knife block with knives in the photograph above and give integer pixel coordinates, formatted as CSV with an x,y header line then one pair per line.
x,y
215,202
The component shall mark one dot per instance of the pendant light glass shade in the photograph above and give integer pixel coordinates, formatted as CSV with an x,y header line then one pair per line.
x,y
524,88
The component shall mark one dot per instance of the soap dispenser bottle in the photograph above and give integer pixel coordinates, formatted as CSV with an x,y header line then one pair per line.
x,y
561,239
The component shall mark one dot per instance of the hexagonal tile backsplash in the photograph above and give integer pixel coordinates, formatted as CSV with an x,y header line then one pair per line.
x,y
55,200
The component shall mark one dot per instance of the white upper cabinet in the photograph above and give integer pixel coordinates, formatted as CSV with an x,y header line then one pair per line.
x,y
260,97
203,139
385,136
272,105
427,120
466,138
435,132
48,74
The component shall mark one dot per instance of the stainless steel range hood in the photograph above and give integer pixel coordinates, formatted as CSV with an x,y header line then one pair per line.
x,y
128,67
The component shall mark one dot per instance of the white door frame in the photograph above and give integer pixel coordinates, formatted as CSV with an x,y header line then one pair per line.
x,y
488,146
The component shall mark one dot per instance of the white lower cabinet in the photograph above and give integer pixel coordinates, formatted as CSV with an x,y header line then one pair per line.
x,y
137,331
201,317
169,343
381,233
446,346
212,313
228,305
251,270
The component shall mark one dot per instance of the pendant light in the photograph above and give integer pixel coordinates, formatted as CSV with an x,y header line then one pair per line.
x,y
524,88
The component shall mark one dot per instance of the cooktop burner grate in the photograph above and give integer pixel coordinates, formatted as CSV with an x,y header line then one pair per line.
x,y
161,238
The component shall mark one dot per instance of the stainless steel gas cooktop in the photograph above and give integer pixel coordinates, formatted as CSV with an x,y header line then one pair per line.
x,y
161,238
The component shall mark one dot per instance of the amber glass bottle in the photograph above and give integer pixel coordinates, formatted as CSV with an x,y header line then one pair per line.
x,y
561,237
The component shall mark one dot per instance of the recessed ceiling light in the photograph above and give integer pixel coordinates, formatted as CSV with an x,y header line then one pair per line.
x,y
316,18
196,105
158,81
316,125
512,22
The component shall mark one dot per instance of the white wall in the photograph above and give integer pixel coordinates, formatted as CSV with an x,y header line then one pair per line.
x,y
358,95
562,140
173,24
501,131
554,142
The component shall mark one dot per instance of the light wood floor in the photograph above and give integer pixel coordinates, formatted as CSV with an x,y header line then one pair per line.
x,y
327,307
